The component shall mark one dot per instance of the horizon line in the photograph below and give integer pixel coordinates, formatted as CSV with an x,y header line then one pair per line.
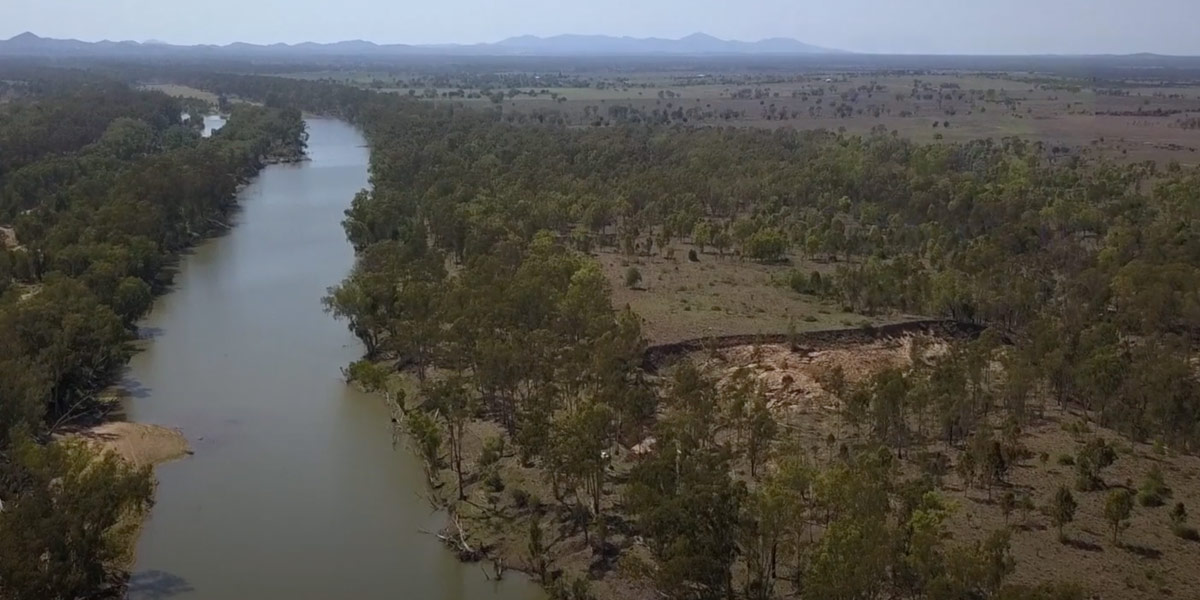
x,y
153,41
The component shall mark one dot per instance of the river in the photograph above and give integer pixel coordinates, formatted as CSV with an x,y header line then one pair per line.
x,y
294,491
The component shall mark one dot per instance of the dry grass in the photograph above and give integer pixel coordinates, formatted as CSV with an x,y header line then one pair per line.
x,y
679,299
182,91
1149,562
1057,117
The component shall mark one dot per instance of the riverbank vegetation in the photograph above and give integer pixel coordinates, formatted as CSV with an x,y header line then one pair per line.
x,y
474,278
101,186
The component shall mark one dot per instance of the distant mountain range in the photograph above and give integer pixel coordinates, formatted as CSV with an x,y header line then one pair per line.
x,y
28,44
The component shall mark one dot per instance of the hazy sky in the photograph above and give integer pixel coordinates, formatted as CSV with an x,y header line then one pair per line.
x,y
909,26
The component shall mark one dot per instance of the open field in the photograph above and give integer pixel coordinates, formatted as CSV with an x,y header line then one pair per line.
x,y
1129,124
182,91
1125,120
679,299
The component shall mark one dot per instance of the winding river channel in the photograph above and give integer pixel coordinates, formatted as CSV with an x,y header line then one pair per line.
x,y
294,491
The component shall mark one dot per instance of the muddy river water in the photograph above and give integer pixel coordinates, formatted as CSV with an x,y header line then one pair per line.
x,y
295,491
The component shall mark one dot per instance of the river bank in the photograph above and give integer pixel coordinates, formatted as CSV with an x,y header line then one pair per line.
x,y
141,445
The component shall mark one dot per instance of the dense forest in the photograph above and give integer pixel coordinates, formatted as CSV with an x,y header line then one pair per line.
x,y
474,279
101,186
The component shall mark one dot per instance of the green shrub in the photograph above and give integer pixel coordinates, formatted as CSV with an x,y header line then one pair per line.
x,y
493,450
767,245
632,277
1179,525
494,483
520,498
1154,490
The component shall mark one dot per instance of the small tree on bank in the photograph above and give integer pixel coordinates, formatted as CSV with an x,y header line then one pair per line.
x,y
1117,509
1062,510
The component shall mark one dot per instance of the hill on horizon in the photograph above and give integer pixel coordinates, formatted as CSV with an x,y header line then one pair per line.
x,y
29,44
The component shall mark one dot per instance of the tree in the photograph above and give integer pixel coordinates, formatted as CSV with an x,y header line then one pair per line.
x,y
537,550
64,529
766,245
688,508
702,234
990,457
763,528
761,430
850,561
426,438
1179,514
1008,502
450,400
1062,509
889,398
581,441
1095,456
1117,508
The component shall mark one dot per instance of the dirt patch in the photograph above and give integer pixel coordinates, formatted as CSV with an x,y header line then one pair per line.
x,y
793,377
140,444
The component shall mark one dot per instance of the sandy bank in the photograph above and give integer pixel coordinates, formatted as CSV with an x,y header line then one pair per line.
x,y
140,444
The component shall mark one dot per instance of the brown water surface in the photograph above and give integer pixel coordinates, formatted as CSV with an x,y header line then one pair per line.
x,y
295,491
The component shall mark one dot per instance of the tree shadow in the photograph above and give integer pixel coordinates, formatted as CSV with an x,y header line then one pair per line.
x,y
156,585
1082,545
1029,526
134,388
1143,551
150,333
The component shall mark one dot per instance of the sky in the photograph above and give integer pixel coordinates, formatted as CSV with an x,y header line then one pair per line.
x,y
887,26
